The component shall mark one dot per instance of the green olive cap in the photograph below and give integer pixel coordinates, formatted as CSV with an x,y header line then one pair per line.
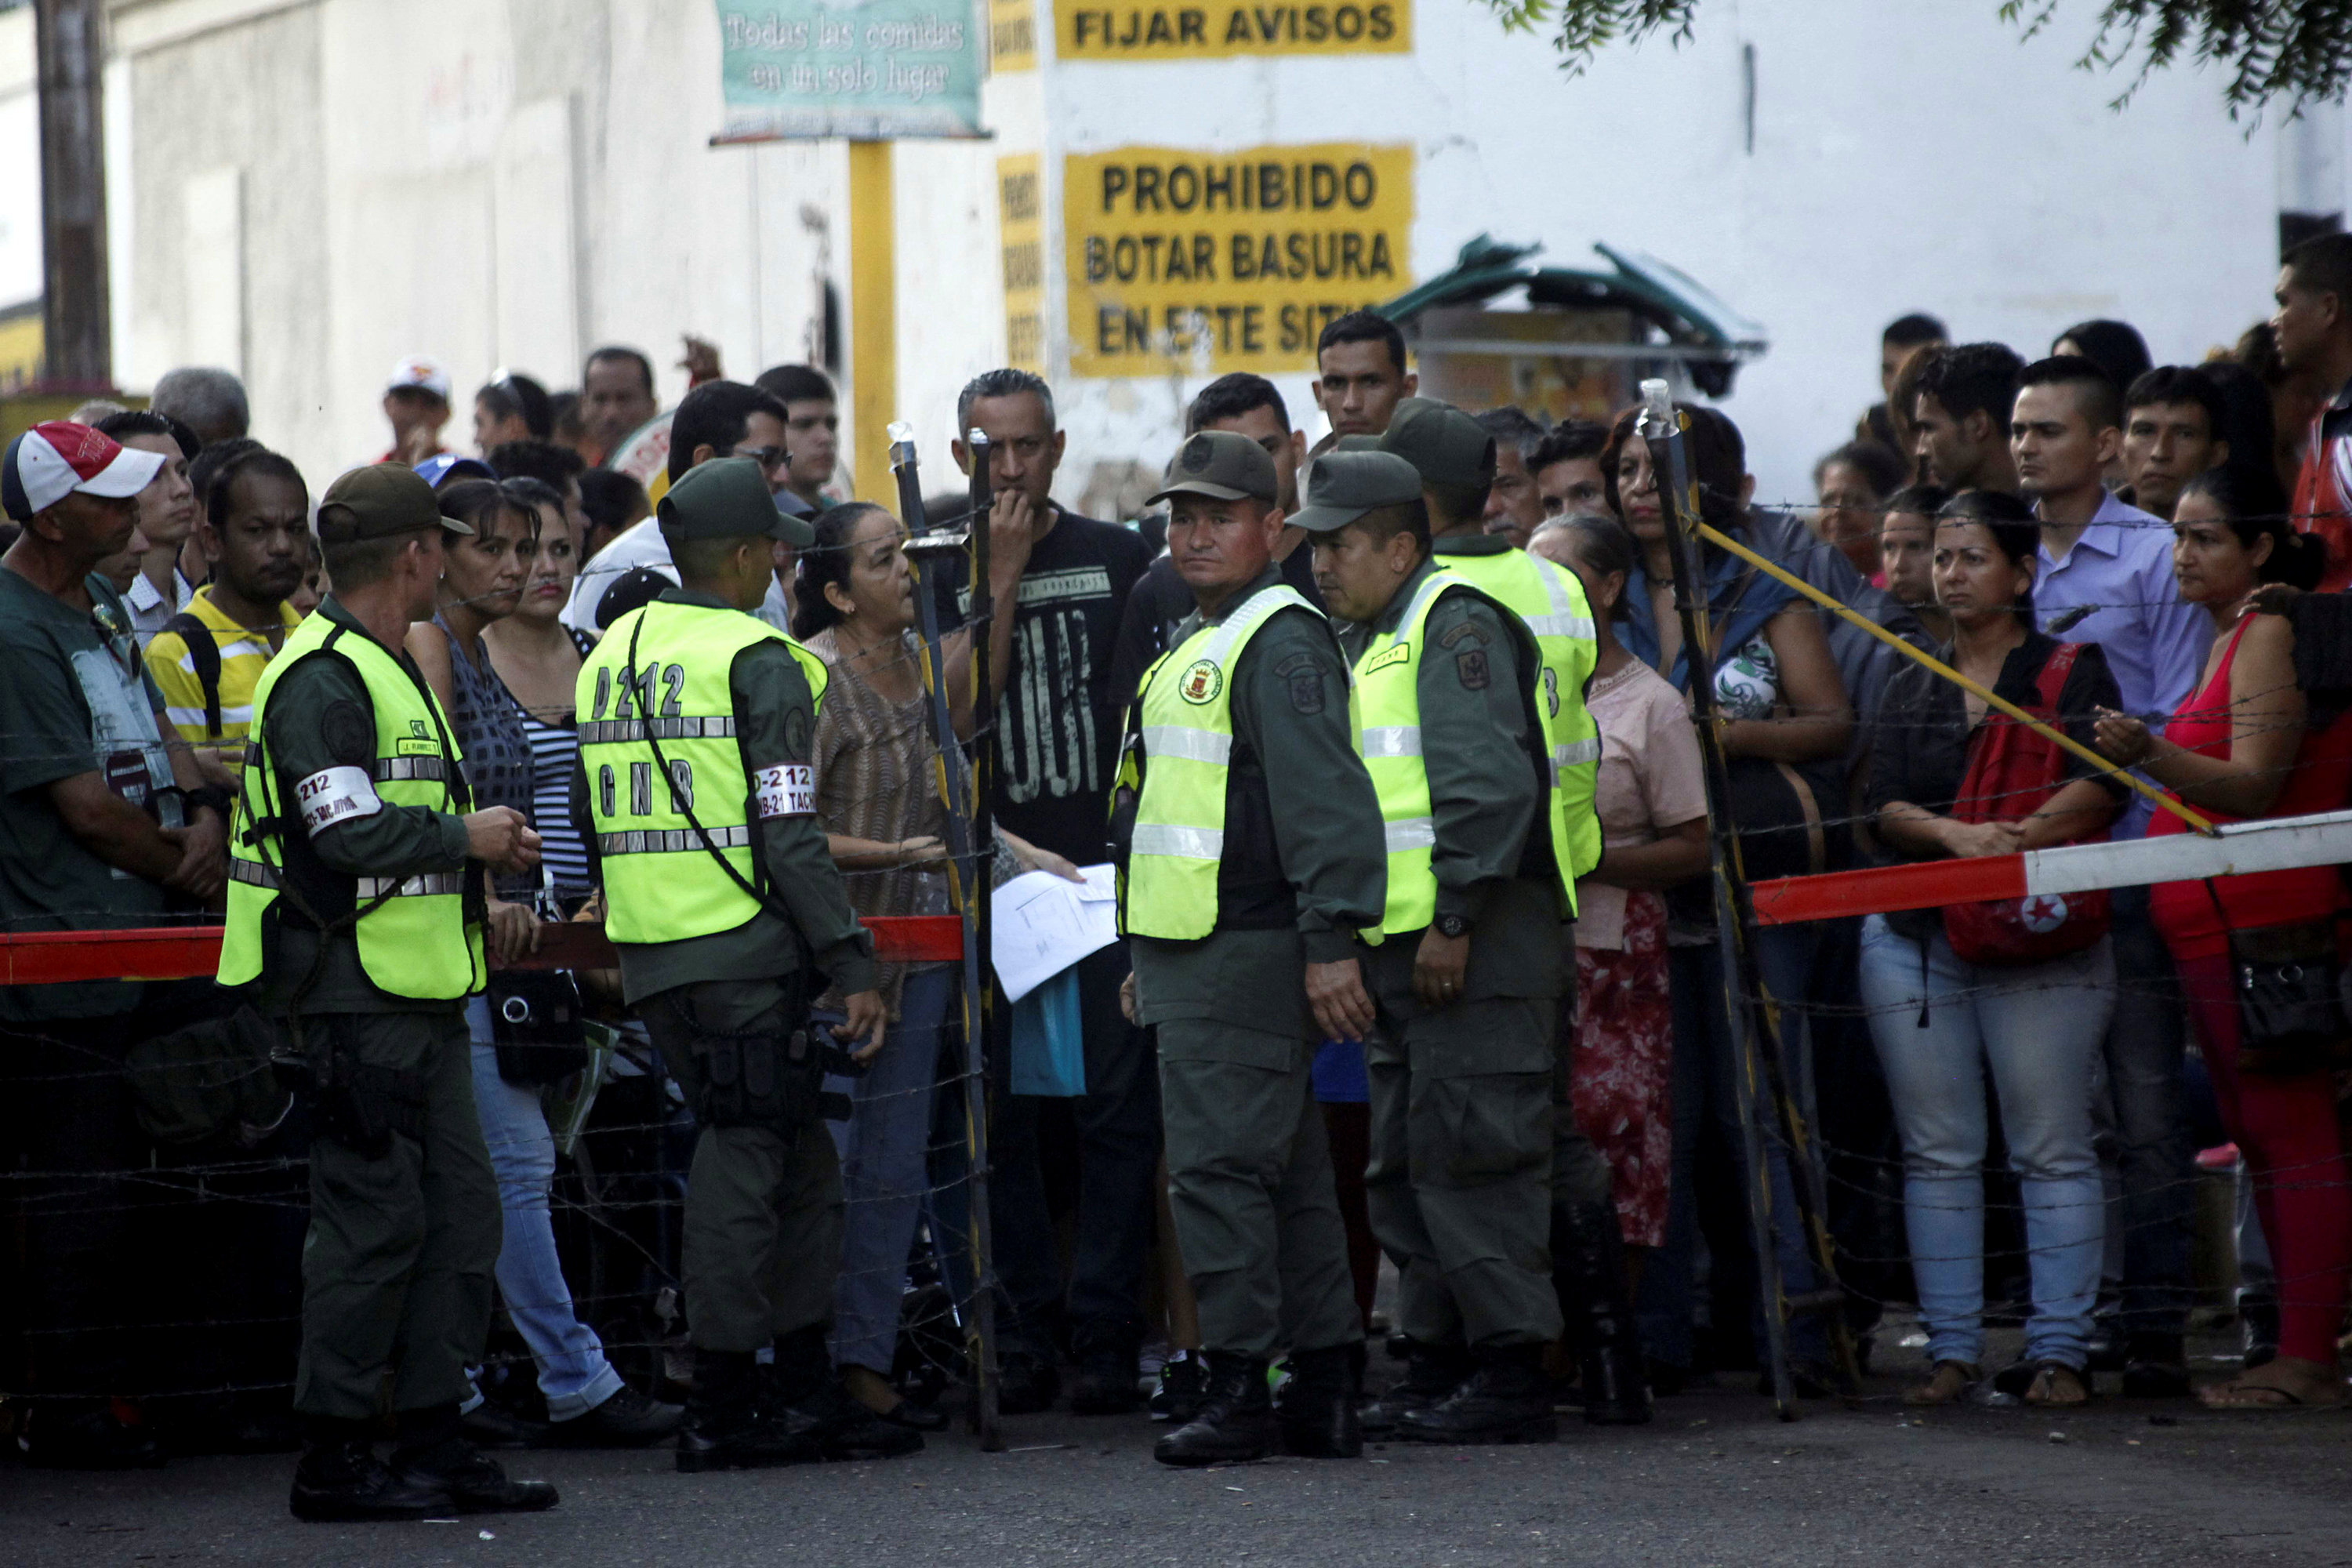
x,y
1343,486
379,501
1223,464
727,498
1358,443
1446,446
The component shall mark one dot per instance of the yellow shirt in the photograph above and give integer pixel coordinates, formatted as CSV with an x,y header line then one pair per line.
x,y
244,655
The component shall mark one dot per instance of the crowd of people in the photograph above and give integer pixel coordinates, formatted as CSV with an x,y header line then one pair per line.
x,y
1536,1118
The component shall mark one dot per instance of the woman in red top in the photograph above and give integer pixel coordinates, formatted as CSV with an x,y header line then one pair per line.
x,y
2241,746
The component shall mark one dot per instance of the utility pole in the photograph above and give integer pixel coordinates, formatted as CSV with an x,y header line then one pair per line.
x,y
78,355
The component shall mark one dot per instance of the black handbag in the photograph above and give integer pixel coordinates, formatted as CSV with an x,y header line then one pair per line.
x,y
537,1026
2290,983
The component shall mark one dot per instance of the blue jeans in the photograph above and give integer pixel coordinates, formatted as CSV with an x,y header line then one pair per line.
x,y
1119,1172
882,1148
1939,1024
572,1371
1707,1112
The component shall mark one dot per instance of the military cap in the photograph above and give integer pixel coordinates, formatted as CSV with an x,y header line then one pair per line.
x,y
1450,449
1223,464
727,498
379,502
1343,486
1358,443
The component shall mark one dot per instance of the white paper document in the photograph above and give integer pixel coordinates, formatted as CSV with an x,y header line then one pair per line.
x,y
1045,923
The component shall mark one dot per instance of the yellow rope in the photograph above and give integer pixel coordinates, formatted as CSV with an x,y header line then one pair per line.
x,y
1854,617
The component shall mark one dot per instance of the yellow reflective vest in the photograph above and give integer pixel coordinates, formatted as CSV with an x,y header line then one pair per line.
x,y
1180,742
413,937
660,675
1549,601
1386,707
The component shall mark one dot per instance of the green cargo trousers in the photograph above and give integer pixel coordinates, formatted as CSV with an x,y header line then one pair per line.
x,y
1459,1188
762,1206
396,1268
1250,1185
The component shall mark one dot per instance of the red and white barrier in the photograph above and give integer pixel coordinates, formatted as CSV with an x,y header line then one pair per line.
x,y
2275,844
182,952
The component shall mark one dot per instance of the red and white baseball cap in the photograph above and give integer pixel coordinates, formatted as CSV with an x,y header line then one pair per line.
x,y
420,375
55,459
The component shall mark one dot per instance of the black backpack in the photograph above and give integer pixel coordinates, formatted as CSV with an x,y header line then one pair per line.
x,y
204,652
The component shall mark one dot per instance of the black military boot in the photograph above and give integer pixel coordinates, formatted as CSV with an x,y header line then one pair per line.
x,y
1236,1420
431,1449
802,1382
729,1427
1506,1400
1317,1408
1588,1271
338,1480
1432,1372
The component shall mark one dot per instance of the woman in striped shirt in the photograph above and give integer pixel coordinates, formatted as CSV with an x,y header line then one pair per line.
x,y
537,658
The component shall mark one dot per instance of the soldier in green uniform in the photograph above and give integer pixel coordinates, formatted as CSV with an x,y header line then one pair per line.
x,y
1455,457
1471,964
697,796
356,874
1241,903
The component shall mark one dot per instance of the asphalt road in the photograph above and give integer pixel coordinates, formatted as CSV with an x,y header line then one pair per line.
x,y
1716,1480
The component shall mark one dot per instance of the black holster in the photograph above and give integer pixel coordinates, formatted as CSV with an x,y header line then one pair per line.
x,y
769,1081
359,1104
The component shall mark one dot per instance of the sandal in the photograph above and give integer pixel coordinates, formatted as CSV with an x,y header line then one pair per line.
x,y
2274,1387
1947,1385
2056,1386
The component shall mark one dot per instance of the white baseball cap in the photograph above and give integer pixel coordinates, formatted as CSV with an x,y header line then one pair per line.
x,y
54,459
421,374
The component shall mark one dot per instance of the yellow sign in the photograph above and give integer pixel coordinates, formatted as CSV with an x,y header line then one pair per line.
x,y
1021,231
1141,31
1011,34
1211,262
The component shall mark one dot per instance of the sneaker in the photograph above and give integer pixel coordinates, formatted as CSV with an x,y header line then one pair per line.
x,y
626,1420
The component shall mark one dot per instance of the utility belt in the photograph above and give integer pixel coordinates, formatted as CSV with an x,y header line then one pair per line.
x,y
359,1104
766,1078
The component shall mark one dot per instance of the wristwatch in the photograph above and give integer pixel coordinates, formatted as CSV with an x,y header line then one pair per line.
x,y
1452,926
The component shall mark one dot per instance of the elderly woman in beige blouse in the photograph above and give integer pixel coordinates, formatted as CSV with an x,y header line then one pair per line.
x,y
877,792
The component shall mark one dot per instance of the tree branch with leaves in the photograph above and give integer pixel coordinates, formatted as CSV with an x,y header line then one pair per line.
x,y
2290,50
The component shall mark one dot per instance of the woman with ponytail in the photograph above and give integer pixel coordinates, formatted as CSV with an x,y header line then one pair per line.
x,y
2242,746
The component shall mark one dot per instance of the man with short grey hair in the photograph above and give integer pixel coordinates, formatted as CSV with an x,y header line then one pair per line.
x,y
208,400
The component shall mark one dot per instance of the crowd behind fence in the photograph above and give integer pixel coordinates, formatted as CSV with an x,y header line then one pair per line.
x,y
160,1282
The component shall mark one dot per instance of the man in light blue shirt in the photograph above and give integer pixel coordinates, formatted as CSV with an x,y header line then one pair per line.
x,y
2105,575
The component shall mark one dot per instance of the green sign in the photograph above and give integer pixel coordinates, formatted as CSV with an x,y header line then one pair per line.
x,y
864,71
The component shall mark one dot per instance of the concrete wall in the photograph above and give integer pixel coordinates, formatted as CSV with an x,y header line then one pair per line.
x,y
319,186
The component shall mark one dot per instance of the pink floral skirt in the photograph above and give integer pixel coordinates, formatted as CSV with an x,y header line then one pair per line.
x,y
1621,1072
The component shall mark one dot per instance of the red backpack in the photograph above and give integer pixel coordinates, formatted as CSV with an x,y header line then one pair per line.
x,y
2013,773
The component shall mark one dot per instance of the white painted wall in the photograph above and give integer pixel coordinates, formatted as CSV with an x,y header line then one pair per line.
x,y
510,182
1910,156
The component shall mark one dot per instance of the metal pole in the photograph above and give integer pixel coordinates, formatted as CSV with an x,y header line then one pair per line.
x,y
979,1322
76,349
1670,469
982,1008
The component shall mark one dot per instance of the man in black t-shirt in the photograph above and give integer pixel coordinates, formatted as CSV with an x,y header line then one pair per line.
x,y
1250,405
1060,582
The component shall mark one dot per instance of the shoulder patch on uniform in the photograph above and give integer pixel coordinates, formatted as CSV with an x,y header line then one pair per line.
x,y
1470,669
350,738
1200,681
1470,629
1302,678
796,733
